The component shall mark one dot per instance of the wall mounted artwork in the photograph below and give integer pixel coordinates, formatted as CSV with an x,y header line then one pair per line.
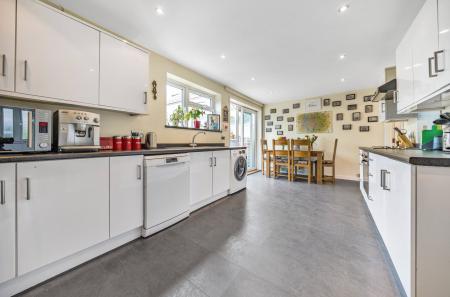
x,y
290,127
356,116
315,122
336,103
368,108
346,127
364,128
312,105
373,119
280,118
296,105
339,117
350,97
279,132
290,119
286,110
368,98
326,102
352,107
273,110
268,130
269,123
278,127
267,117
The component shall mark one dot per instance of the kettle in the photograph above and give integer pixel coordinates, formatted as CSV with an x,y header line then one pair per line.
x,y
150,140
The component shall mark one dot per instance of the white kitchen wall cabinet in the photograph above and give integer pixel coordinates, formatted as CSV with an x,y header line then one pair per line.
x,y
126,194
7,44
405,75
124,75
57,56
442,56
209,177
7,221
62,208
201,179
424,44
221,172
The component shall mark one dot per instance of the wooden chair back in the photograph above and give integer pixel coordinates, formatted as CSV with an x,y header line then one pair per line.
x,y
335,148
301,148
284,151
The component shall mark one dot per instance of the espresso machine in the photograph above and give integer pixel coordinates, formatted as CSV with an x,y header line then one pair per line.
x,y
76,131
446,138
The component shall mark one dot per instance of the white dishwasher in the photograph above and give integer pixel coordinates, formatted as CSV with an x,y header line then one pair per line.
x,y
166,191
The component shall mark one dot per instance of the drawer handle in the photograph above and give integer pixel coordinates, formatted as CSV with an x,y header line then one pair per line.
x,y
28,180
145,97
3,65
3,192
25,75
139,172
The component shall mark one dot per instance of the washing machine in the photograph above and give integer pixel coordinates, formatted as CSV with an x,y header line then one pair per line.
x,y
238,178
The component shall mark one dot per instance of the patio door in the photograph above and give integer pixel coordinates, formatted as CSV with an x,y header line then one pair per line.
x,y
243,131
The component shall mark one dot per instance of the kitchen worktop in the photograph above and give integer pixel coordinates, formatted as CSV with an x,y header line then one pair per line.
x,y
28,157
413,156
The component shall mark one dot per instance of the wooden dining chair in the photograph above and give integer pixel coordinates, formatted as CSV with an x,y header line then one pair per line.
x,y
301,158
265,157
331,163
281,157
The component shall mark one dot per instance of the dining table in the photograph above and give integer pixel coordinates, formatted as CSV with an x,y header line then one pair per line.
x,y
314,153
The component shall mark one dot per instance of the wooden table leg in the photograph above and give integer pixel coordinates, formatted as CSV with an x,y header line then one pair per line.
x,y
319,168
268,164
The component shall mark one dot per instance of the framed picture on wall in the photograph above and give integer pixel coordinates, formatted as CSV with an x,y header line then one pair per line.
x,y
347,127
286,110
368,98
213,122
326,102
290,127
373,119
278,127
312,105
267,117
339,117
269,123
336,103
296,105
350,97
368,108
280,118
352,107
364,128
290,119
273,110
268,130
356,116
279,132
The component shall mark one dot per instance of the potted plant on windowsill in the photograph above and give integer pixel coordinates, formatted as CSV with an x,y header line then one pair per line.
x,y
177,117
194,114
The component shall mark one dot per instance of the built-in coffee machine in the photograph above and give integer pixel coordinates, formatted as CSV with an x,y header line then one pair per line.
x,y
76,131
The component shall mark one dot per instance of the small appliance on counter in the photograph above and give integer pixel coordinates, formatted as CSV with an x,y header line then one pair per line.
x,y
446,138
150,140
25,130
76,131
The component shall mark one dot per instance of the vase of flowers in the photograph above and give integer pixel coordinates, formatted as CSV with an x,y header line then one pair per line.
x,y
194,114
177,117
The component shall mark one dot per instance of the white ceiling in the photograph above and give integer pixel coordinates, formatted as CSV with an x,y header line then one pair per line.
x,y
290,47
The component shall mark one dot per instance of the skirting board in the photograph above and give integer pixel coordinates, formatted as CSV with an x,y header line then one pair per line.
x,y
203,203
164,225
42,274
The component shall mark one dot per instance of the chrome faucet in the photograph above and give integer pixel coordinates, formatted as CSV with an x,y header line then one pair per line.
x,y
193,144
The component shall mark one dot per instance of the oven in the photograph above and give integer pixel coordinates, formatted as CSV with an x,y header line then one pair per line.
x,y
365,172
24,129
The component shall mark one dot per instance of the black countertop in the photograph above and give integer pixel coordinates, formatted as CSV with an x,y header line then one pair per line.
x,y
413,156
28,157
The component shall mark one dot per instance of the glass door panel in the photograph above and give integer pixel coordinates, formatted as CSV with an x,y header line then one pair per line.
x,y
243,131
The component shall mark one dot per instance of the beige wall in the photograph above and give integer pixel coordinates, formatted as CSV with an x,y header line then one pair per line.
x,y
347,160
117,123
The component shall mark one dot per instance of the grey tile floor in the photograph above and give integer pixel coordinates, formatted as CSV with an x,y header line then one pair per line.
x,y
274,239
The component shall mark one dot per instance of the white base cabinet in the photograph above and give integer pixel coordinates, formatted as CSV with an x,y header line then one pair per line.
x,y
126,194
209,177
62,208
7,44
7,221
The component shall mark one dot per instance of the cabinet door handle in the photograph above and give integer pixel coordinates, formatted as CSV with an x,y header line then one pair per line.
x,y
436,61
3,65
370,198
430,67
139,172
395,96
145,97
28,180
210,161
25,75
387,174
215,161
2,192
382,178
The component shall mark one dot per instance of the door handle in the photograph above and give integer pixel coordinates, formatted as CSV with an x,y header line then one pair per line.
x,y
3,65
215,161
2,192
139,172
430,67
28,182
145,97
436,61
25,75
210,162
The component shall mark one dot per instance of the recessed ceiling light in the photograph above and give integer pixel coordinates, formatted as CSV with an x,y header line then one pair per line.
x,y
444,31
159,11
343,8
342,57
223,57
253,79
342,79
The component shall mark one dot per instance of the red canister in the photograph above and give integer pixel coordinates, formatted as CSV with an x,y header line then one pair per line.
x,y
126,143
136,143
117,143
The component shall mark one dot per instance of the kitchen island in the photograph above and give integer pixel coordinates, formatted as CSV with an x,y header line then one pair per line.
x,y
406,193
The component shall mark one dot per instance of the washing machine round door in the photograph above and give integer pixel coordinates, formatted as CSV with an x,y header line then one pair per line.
x,y
240,168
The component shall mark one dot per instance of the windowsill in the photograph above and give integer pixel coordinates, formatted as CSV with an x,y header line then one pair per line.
x,y
194,129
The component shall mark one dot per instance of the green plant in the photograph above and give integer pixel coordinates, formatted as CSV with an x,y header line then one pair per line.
x,y
194,114
177,117
311,139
